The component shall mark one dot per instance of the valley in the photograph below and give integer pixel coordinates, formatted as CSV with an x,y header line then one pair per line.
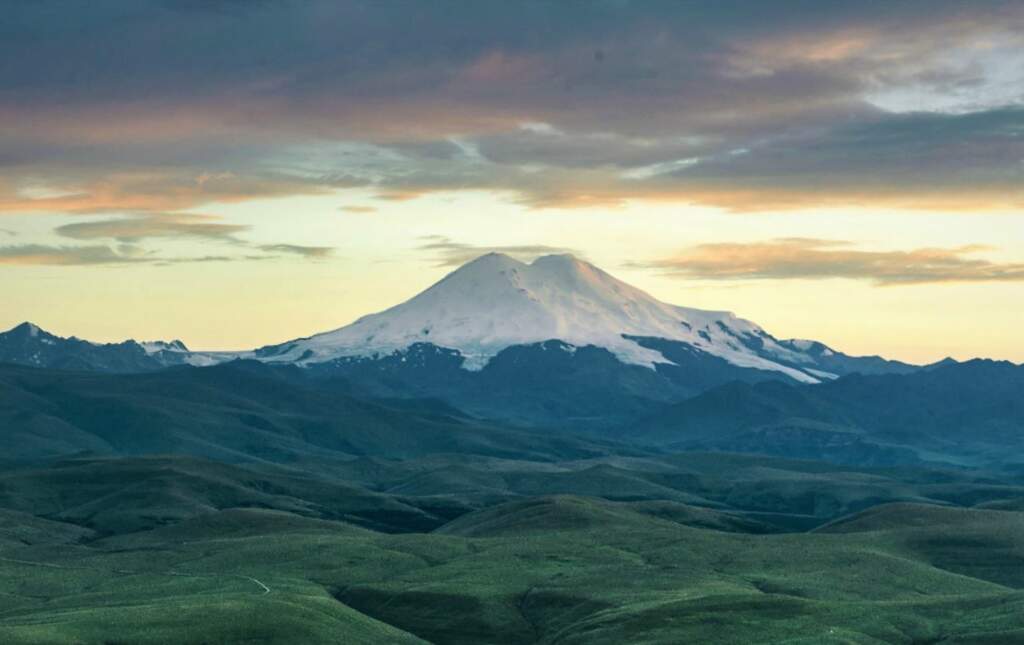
x,y
466,550
509,487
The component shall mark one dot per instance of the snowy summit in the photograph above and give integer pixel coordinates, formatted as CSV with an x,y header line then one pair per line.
x,y
496,301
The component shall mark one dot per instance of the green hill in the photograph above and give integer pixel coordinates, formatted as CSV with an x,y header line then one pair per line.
x,y
369,550
297,510
240,412
966,414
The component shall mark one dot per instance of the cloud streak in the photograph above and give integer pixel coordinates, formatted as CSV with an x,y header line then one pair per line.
x,y
130,230
449,253
358,209
97,189
800,258
132,254
41,254
313,252
102,255
150,225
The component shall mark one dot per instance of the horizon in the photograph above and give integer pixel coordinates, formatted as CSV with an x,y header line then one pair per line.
x,y
531,262
235,175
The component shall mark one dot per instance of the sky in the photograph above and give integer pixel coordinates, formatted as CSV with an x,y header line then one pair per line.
x,y
239,173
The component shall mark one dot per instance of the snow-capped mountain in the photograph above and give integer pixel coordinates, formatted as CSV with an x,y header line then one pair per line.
x,y
156,346
495,302
553,342
27,344
486,307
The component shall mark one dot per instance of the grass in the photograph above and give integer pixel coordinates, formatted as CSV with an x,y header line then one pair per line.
x,y
607,575
182,550
308,513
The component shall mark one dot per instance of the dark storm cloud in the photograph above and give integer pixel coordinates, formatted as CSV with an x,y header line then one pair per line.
x,y
913,144
919,160
916,160
164,106
559,57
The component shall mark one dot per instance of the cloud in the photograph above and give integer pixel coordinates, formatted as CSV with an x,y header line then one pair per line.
x,y
358,209
150,225
99,255
967,161
924,160
319,68
802,258
550,104
132,254
95,189
39,254
315,252
129,230
449,253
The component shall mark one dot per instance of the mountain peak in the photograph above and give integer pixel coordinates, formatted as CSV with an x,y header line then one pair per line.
x,y
503,261
494,257
27,329
495,301
154,346
567,264
559,259
556,303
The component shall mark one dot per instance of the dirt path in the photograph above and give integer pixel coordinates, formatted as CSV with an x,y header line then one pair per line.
x,y
266,589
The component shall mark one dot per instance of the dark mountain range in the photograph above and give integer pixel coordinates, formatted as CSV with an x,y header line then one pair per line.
x,y
558,342
965,413
240,411
27,344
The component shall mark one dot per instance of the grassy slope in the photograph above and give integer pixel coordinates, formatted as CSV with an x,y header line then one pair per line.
x,y
124,495
603,577
240,412
115,496
565,569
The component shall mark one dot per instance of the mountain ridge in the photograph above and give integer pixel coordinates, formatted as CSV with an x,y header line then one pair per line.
x,y
486,306
30,345
495,301
557,342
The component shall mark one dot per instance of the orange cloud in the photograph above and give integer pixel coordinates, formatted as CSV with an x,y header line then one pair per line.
x,y
358,209
152,190
801,258
569,188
